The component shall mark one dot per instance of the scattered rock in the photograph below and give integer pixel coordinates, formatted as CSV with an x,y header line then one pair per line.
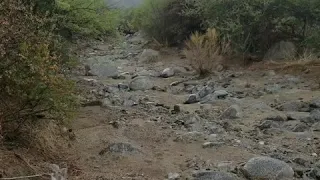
x,y
123,86
296,126
149,55
316,127
232,112
205,91
168,72
173,176
271,89
192,98
276,116
220,94
315,115
212,144
267,168
302,116
141,83
297,106
121,148
282,50
315,103
214,175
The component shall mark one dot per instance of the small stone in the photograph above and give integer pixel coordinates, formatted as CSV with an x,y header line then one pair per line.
x,y
232,112
294,106
173,176
193,98
149,55
214,175
315,115
267,168
205,91
266,124
123,86
122,148
314,154
315,103
302,116
276,116
212,144
168,72
220,94
261,142
141,83
176,108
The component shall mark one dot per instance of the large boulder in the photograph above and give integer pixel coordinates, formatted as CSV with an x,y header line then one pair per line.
x,y
268,168
282,50
149,55
141,83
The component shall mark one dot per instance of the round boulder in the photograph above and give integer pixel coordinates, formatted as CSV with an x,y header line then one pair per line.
x,y
268,168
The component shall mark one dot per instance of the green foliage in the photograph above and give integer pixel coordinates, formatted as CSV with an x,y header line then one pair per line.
x,y
165,21
254,25
31,68
87,17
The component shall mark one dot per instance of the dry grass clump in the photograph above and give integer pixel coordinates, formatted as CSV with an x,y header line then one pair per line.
x,y
204,51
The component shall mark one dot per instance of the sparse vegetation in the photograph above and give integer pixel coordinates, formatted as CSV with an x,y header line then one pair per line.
x,y
33,59
205,51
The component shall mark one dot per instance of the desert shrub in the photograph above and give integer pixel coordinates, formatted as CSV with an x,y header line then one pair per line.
x,y
255,25
32,83
130,20
86,17
204,51
166,21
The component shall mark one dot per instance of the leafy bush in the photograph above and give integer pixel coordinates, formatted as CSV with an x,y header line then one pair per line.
x,y
165,20
204,51
255,25
87,17
32,82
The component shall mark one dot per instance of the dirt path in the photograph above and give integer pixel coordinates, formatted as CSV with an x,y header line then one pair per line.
x,y
136,134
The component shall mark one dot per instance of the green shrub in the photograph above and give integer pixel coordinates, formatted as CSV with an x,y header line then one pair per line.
x,y
255,25
166,21
87,17
32,82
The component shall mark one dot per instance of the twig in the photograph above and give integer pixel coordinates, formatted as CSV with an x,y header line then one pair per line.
x,y
24,160
22,177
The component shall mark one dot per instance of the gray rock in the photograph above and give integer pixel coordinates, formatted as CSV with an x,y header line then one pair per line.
x,y
315,103
271,89
276,116
316,127
141,83
192,98
232,112
315,115
296,126
266,124
149,55
205,91
121,148
173,176
214,175
220,94
302,116
104,69
282,50
123,86
212,144
267,168
294,106
168,72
